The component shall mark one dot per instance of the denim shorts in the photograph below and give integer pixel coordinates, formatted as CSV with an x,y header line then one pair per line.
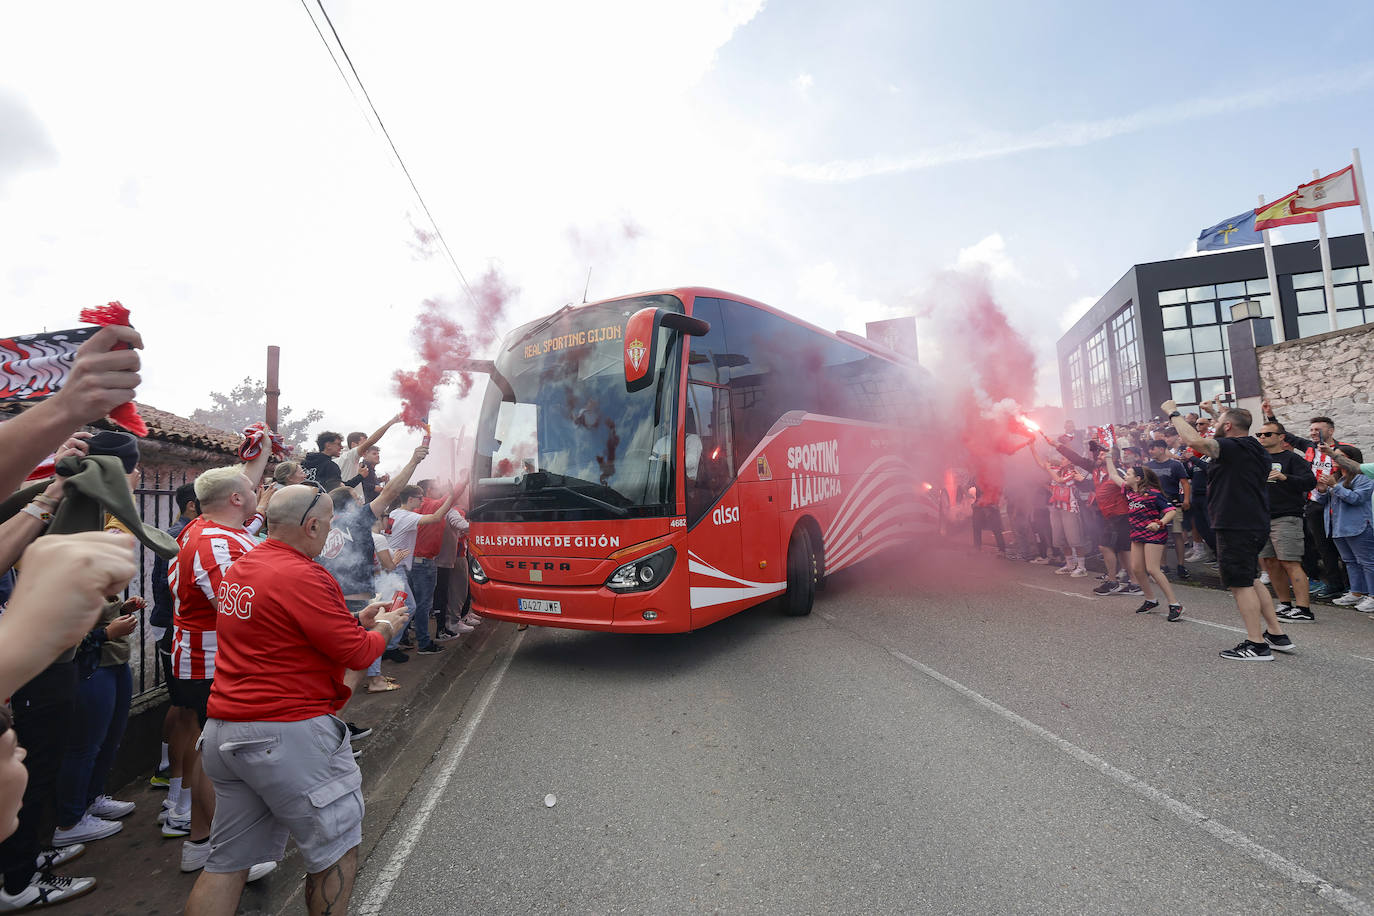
x,y
274,779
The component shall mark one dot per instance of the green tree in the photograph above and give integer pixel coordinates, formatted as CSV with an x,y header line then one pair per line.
x,y
246,404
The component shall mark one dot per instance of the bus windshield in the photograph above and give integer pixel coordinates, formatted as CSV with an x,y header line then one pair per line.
x,y
559,437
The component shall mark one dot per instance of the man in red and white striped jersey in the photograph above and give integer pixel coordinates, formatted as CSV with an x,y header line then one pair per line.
x,y
208,546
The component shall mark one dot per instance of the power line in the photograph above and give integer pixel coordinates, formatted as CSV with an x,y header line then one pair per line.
x,y
401,161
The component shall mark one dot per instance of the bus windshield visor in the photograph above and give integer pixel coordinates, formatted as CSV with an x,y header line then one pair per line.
x,y
560,439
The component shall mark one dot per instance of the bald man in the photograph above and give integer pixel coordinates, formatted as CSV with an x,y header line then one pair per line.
x,y
290,655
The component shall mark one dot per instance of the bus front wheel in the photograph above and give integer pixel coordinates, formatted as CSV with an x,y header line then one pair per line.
x,y
801,575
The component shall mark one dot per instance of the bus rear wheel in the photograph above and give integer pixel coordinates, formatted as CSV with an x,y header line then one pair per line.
x,y
801,575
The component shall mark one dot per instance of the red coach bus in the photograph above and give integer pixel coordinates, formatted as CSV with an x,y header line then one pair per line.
x,y
658,462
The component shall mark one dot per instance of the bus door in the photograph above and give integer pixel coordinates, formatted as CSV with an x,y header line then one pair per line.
x,y
713,516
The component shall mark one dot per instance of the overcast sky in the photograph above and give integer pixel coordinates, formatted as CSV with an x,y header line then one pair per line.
x,y
209,166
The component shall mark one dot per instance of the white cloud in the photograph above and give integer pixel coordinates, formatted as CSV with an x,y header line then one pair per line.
x,y
1074,311
989,253
1060,134
803,82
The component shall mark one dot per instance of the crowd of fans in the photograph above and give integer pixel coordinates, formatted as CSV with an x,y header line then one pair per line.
x,y
278,592
1280,518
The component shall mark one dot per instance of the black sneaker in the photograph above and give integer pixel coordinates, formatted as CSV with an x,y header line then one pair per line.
x,y
1175,612
1183,573
1249,651
432,649
1278,643
1127,588
444,635
1296,614
357,732
1106,588
395,655
1146,607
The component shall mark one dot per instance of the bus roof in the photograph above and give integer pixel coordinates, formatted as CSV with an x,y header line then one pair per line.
x,y
845,337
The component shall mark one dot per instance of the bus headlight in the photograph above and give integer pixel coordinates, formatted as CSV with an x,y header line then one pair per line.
x,y
643,574
475,570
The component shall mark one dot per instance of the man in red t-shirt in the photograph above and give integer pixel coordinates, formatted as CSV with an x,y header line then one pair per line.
x,y
290,655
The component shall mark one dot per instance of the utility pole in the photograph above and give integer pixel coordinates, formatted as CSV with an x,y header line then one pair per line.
x,y
273,381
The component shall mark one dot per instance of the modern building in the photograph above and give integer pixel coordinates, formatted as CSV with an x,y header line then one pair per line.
x,y
1160,332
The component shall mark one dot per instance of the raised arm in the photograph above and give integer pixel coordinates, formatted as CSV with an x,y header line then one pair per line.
x,y
398,482
362,447
439,513
1112,473
1190,436
1340,458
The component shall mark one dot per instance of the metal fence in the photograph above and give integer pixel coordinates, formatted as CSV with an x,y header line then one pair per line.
x,y
157,506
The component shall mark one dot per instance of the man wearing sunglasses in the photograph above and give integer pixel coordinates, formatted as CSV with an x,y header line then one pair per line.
x,y
1290,478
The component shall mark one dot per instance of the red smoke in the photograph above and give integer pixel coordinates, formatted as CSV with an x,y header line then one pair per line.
x,y
981,380
443,340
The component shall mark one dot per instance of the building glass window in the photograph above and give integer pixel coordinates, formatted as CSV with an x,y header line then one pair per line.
x,y
1099,370
1076,392
1196,361
1129,388
1354,300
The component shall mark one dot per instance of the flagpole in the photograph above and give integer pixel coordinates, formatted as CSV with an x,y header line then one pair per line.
x,y
1279,336
1326,262
1364,211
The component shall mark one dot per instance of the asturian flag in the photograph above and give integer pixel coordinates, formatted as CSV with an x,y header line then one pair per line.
x,y
1335,190
1230,233
1282,212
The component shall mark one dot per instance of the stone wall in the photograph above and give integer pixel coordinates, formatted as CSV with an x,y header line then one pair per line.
x,y
1329,375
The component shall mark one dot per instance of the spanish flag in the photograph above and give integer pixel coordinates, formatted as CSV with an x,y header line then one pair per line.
x,y
1280,213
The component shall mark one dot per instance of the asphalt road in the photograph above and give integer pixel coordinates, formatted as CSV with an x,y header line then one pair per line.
x,y
946,733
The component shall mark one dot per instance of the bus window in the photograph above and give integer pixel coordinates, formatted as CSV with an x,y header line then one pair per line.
x,y
516,450
709,359
709,453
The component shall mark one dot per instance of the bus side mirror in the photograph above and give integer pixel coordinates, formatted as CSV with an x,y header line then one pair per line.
x,y
641,341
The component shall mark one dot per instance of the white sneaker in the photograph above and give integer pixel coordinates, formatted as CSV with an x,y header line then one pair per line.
x,y
45,889
471,619
174,826
1366,606
1281,608
110,808
1065,569
461,627
261,870
1264,576
1079,573
85,830
1349,599
49,859
194,855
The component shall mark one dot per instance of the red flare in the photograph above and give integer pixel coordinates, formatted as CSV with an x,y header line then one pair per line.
x,y
113,313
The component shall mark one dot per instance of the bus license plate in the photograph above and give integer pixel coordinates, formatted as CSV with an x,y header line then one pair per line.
x,y
540,606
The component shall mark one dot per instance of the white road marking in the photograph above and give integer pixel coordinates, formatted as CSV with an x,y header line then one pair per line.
x,y
1208,623
1365,658
1265,856
1058,592
386,878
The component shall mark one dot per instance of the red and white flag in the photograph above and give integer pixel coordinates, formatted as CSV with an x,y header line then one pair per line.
x,y
1335,190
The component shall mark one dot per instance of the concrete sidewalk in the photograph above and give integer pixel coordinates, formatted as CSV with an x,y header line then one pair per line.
x,y
139,872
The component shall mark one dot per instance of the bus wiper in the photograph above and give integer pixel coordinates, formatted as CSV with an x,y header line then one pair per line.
x,y
549,482
587,497
539,327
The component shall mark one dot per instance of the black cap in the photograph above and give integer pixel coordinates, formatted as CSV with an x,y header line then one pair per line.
x,y
121,445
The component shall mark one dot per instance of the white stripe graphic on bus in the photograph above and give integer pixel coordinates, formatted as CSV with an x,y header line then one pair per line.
x,y
703,597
